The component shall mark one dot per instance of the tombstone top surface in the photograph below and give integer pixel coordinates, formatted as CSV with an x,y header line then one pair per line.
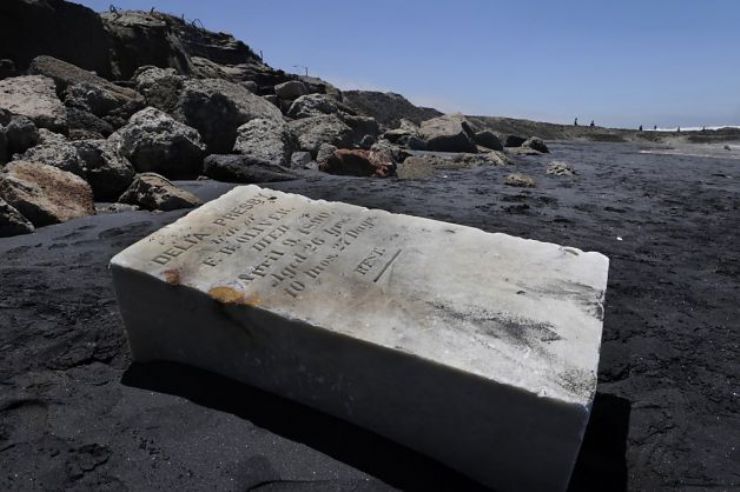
x,y
515,311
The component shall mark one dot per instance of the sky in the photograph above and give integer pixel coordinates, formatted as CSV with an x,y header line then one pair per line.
x,y
621,63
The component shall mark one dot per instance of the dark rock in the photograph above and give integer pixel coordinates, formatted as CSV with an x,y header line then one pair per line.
x,y
55,151
12,222
45,194
447,133
514,141
4,156
359,162
216,108
155,142
291,89
7,69
488,139
108,172
244,169
21,134
266,141
367,141
65,30
154,192
83,122
34,96
536,144
387,108
311,132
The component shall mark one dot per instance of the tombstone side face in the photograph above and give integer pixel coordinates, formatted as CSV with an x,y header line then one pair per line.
x,y
477,349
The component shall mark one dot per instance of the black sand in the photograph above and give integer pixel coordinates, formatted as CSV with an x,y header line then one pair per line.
x,y
74,414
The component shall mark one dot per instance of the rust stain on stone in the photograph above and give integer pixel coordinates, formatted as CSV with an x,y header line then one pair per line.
x,y
226,295
172,277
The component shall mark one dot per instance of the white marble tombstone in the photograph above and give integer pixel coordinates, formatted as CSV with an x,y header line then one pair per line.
x,y
477,349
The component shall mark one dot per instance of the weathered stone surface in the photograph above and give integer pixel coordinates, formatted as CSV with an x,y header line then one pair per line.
x,y
216,108
45,194
315,105
423,165
155,192
299,160
34,96
154,141
359,162
488,139
85,125
520,180
244,169
311,132
21,134
12,222
108,172
448,133
54,150
536,144
480,350
291,89
160,87
265,141
560,169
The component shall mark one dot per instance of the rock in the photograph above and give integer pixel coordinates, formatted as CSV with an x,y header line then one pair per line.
x,y
264,141
299,160
361,125
115,208
400,135
34,96
155,142
291,89
313,131
4,155
160,87
85,90
107,171
154,192
12,222
488,139
427,165
65,30
314,105
21,134
448,339
45,194
83,124
48,137
216,108
447,134
514,141
324,153
367,141
7,69
523,151
536,144
243,169
251,86
359,162
520,180
388,108
560,169
54,150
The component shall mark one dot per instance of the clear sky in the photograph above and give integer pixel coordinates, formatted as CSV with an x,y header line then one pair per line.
x,y
619,62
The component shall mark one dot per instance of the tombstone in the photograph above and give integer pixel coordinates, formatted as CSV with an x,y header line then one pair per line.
x,y
477,349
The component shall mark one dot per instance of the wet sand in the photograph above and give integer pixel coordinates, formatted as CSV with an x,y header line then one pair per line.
x,y
74,413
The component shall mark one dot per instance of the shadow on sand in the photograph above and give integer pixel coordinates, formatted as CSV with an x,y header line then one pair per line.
x,y
600,466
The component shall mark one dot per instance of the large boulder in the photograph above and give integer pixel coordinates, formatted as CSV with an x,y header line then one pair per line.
x,y
56,151
361,125
314,105
154,192
425,165
243,169
85,90
12,222
313,131
21,134
359,162
34,96
537,144
45,194
85,125
216,108
513,141
264,141
108,172
53,27
291,89
449,133
160,87
488,139
155,142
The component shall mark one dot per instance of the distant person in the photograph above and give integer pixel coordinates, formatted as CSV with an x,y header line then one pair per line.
x,y
655,127
678,129
575,123
639,129
592,124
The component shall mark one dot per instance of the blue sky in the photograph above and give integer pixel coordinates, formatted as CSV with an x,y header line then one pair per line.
x,y
621,63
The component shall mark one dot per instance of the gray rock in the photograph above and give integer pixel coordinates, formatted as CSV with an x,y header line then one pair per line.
x,y
313,105
266,141
299,160
537,144
154,192
21,134
291,89
160,87
243,169
313,131
216,108
405,130
488,139
45,194
107,171
34,96
520,180
361,125
85,125
251,86
12,222
55,151
558,168
325,152
155,142
448,133
48,137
